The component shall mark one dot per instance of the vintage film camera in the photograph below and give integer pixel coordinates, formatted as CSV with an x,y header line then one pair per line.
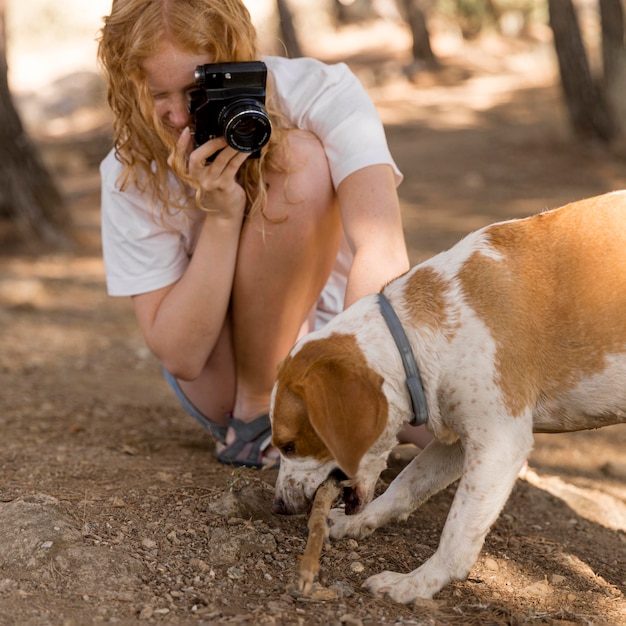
x,y
229,103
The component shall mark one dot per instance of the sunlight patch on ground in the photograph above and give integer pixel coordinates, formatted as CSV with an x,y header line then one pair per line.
x,y
594,505
464,101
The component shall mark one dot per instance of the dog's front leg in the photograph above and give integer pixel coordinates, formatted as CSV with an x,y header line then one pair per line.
x,y
432,470
490,469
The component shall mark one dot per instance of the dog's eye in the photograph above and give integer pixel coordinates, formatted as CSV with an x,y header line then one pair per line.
x,y
288,448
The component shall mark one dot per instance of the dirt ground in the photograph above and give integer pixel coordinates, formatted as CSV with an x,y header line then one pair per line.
x,y
112,505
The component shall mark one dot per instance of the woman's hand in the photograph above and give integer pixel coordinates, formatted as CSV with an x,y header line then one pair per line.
x,y
217,178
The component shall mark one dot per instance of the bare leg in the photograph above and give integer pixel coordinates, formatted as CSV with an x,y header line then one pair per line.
x,y
213,392
281,270
417,435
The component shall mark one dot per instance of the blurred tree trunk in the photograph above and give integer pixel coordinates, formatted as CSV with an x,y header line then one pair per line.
x,y
614,62
589,113
415,14
612,23
288,30
28,195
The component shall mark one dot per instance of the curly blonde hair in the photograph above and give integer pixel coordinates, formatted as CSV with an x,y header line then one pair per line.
x,y
131,33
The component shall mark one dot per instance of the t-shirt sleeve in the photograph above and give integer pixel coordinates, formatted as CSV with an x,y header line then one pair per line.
x,y
139,255
330,101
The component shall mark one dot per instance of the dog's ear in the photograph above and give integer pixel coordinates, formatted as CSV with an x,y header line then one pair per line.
x,y
346,407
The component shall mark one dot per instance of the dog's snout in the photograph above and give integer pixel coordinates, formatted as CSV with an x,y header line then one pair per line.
x,y
279,507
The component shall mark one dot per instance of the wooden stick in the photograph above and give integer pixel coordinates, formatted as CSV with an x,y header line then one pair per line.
x,y
318,532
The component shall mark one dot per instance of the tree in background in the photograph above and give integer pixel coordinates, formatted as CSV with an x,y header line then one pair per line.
x,y
288,30
28,195
589,100
596,105
415,13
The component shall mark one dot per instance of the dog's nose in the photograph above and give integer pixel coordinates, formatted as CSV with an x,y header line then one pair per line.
x,y
279,507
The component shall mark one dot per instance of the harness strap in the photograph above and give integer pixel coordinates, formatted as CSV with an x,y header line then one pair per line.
x,y
413,378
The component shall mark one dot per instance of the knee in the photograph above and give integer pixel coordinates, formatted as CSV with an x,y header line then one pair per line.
x,y
302,204
307,178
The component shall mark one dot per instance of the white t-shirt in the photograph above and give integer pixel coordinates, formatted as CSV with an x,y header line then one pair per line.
x,y
142,255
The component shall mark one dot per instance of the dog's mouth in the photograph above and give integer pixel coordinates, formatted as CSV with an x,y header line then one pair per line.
x,y
350,493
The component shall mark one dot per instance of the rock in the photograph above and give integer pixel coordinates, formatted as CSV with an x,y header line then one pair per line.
x,y
37,537
539,589
253,500
557,579
491,564
349,620
228,546
614,470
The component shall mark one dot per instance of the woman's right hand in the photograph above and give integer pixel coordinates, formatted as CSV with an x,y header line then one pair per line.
x,y
183,322
221,192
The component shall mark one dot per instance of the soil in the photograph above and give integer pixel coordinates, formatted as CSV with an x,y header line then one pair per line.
x,y
112,505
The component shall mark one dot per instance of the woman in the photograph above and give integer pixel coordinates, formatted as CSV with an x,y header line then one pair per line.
x,y
229,259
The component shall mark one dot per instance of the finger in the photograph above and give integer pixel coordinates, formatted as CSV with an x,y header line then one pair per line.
x,y
226,164
200,155
184,141
182,148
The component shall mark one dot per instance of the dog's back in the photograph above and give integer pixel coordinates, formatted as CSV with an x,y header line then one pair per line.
x,y
551,292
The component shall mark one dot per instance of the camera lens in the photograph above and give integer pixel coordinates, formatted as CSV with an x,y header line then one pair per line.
x,y
246,125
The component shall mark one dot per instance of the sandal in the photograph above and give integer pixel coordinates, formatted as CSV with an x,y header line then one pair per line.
x,y
218,431
252,439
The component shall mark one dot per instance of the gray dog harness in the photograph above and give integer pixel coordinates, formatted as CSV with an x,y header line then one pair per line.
x,y
413,378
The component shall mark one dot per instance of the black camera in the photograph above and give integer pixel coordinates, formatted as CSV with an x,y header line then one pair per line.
x,y
229,103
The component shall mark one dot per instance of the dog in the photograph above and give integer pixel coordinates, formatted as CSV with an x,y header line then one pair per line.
x,y
519,327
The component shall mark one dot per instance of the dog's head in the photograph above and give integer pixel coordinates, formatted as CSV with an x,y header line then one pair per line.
x,y
328,413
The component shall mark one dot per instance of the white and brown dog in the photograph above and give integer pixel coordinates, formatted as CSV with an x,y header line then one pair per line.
x,y
520,327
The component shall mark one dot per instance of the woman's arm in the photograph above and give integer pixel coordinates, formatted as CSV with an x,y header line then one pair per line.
x,y
330,101
182,322
372,222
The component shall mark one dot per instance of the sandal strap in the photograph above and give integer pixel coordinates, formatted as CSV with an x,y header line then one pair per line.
x,y
252,438
249,431
218,431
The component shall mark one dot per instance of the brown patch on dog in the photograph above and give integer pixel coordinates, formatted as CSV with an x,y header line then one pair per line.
x,y
555,303
425,294
292,426
329,402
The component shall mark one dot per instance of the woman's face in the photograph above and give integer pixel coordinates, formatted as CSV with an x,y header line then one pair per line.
x,y
170,75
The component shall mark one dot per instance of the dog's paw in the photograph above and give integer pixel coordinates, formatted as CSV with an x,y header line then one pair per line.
x,y
342,525
402,588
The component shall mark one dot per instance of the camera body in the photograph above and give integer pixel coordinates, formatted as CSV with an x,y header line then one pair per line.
x,y
229,103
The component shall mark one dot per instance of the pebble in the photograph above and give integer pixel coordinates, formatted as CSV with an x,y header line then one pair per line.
x,y
349,620
614,470
200,565
540,588
357,567
491,565
234,573
342,589
322,593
